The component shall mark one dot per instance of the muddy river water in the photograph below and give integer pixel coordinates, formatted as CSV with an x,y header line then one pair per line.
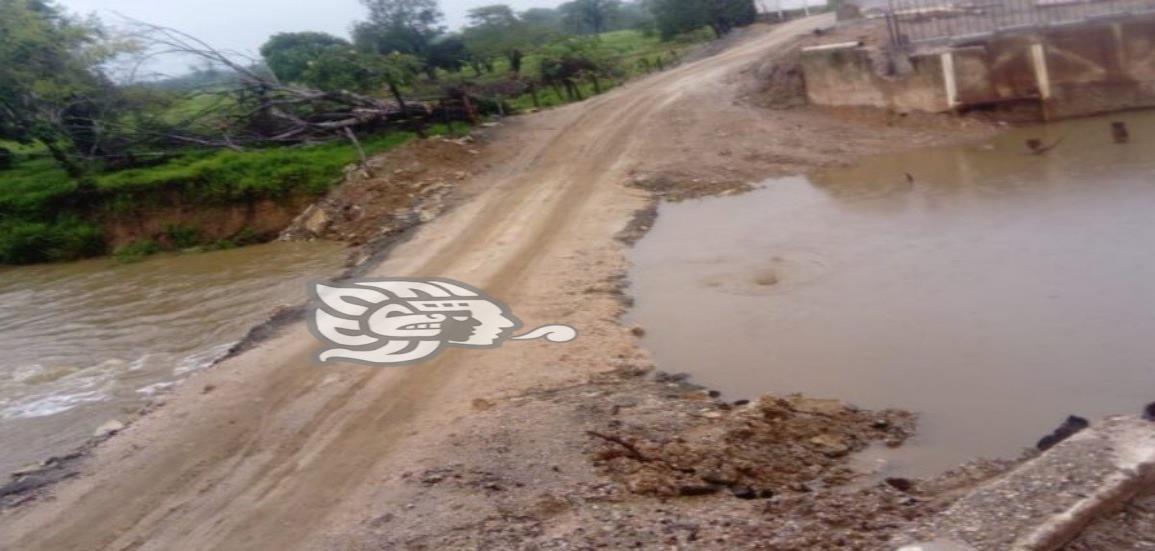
x,y
86,342
992,291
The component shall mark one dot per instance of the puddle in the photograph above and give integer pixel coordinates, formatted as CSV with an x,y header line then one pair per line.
x,y
993,291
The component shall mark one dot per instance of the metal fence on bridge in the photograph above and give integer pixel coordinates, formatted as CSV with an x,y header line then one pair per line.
x,y
932,21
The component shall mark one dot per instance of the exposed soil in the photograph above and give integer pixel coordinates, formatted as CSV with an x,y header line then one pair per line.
x,y
674,466
533,445
260,219
397,190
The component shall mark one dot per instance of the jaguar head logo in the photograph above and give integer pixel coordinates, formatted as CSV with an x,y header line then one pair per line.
x,y
401,321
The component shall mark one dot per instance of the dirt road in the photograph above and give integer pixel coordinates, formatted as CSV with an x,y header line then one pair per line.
x,y
271,451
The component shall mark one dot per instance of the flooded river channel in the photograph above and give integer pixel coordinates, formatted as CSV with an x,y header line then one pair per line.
x,y
86,342
991,290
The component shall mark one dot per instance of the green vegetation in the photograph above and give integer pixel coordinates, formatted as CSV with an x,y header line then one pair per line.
x,y
35,193
227,176
137,250
77,147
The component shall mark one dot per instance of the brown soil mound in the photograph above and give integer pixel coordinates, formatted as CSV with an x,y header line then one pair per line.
x,y
758,450
394,192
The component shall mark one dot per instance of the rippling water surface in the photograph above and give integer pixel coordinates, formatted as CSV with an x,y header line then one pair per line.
x,y
85,342
992,291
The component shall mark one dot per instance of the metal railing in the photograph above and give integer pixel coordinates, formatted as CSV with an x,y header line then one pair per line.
x,y
930,21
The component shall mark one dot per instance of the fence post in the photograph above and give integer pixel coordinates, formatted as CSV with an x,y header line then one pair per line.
x,y
1042,77
948,79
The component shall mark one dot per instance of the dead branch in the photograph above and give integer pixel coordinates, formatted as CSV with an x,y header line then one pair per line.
x,y
631,449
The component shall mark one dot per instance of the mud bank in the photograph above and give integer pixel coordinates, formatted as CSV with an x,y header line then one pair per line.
x,y
256,221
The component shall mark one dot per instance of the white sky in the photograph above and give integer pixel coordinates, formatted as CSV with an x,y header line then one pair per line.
x,y
243,25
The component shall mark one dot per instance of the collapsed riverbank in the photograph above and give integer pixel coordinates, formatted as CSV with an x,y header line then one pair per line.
x,y
531,445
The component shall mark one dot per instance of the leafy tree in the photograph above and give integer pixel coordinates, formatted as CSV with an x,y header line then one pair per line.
x,y
726,15
447,52
566,62
544,18
496,31
497,15
51,85
632,15
288,55
347,69
405,26
589,16
679,16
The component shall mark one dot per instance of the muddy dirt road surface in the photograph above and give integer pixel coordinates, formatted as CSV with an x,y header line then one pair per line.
x,y
269,450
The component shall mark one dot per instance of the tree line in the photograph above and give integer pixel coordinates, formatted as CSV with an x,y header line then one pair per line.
x,y
56,91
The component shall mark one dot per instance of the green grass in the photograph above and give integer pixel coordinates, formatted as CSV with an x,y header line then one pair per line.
x,y
623,49
24,242
32,186
22,149
42,219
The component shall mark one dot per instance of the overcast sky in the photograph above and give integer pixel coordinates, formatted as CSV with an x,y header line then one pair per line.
x,y
243,25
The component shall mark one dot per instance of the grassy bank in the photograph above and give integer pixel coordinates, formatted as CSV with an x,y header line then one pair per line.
x,y
44,217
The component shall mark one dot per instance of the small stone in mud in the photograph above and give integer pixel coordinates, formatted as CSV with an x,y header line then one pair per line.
x,y
637,331
766,279
744,492
1149,412
900,484
817,406
831,445
697,489
208,388
663,377
738,403
481,404
624,402
109,428
381,520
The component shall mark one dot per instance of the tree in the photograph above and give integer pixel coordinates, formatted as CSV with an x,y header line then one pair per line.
x,y
679,16
495,31
545,18
288,55
497,15
405,26
339,69
447,52
632,15
255,108
51,85
588,16
565,63
726,15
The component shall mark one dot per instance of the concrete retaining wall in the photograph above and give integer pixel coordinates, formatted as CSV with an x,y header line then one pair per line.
x,y
1067,72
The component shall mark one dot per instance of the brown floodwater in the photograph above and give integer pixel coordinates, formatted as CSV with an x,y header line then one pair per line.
x,y
995,294
86,342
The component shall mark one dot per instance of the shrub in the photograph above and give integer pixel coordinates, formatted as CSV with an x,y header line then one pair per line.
x,y
183,237
30,242
137,250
